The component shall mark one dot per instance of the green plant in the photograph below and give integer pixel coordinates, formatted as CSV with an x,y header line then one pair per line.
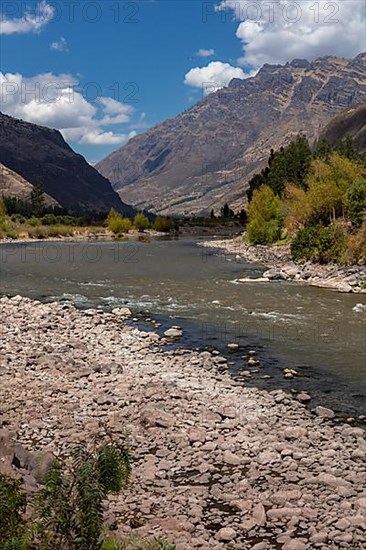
x,y
319,243
355,203
141,222
163,224
265,217
70,507
12,506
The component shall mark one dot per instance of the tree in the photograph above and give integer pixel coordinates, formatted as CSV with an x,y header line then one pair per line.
x,y
3,210
323,149
265,217
163,224
355,203
37,198
243,217
117,224
212,214
141,222
290,164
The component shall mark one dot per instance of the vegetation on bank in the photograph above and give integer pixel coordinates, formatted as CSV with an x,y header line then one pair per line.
x,y
67,512
314,200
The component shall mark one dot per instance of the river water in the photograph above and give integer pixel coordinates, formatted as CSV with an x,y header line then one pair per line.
x,y
318,332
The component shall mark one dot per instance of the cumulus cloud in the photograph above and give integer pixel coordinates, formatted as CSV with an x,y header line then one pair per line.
x,y
30,21
59,45
213,77
57,102
278,31
205,53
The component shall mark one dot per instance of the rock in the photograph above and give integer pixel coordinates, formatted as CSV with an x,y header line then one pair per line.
x,y
253,362
259,514
42,466
342,524
303,397
323,412
283,513
233,346
122,312
156,417
295,432
294,544
230,458
226,534
173,333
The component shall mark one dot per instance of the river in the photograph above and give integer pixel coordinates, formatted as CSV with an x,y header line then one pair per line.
x,y
318,332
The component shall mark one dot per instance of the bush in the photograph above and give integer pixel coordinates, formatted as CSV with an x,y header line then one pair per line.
x,y
357,245
318,243
141,222
117,224
13,503
163,225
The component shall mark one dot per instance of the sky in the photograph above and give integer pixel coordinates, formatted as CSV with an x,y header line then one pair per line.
x,y
103,71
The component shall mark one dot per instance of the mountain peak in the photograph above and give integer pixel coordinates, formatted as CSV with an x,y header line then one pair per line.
x,y
203,157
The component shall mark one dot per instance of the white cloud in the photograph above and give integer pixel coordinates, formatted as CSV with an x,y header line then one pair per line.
x,y
56,102
205,53
213,77
59,45
281,30
30,21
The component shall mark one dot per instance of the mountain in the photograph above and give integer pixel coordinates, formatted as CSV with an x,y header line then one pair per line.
x,y
351,122
203,157
13,185
36,152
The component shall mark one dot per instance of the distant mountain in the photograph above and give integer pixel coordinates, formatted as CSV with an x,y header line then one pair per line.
x,y
13,185
36,152
205,156
350,122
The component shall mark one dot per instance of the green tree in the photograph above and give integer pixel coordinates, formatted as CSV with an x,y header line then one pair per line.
x,y
117,224
37,198
290,164
323,149
141,222
355,203
265,216
164,225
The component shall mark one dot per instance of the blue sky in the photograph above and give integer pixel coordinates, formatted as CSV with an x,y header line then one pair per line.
x,y
103,71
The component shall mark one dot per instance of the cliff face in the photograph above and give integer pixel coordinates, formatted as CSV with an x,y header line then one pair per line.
x,y
351,122
203,157
37,152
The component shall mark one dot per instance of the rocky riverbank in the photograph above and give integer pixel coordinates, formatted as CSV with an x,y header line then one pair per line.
x,y
280,266
215,465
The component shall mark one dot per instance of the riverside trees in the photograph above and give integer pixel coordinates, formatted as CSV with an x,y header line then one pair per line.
x,y
317,201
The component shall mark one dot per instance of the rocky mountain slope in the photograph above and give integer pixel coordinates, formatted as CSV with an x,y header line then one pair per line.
x,y
13,185
352,122
37,152
203,157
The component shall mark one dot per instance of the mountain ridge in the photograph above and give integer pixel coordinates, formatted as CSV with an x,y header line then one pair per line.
x,y
37,152
204,156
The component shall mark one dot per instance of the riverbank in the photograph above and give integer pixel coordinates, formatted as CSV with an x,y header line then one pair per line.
x,y
92,236
280,266
215,465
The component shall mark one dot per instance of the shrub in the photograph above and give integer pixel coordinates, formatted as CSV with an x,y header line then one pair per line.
x,y
141,222
319,243
163,224
13,503
117,224
357,244
70,507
